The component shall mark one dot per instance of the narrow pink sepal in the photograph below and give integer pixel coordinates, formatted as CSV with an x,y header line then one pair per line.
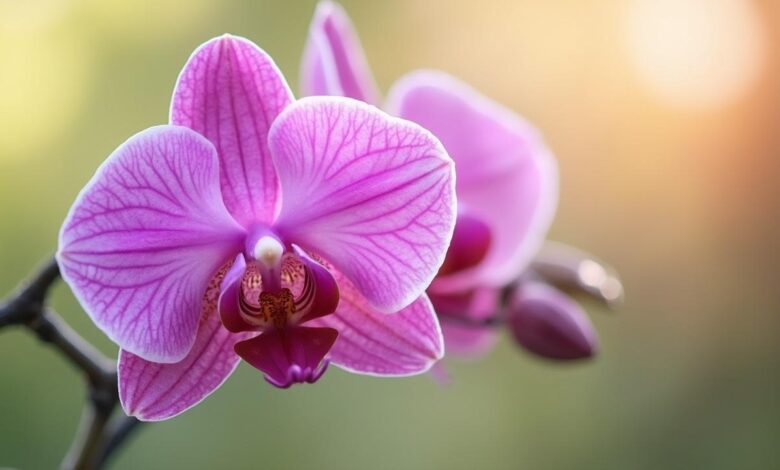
x,y
231,91
374,195
506,175
154,392
334,63
144,237
404,343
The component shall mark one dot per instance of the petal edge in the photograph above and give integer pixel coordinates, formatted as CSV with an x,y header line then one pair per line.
x,y
507,175
405,343
230,91
374,195
149,230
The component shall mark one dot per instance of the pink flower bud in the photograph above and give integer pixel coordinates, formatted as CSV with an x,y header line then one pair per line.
x,y
548,323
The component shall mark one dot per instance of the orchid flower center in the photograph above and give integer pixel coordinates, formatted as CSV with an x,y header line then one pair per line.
x,y
266,254
268,251
273,288
262,308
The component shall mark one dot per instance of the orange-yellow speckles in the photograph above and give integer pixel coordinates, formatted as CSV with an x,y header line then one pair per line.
x,y
211,297
293,273
277,308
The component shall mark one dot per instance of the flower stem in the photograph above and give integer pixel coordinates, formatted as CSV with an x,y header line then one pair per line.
x,y
119,430
98,435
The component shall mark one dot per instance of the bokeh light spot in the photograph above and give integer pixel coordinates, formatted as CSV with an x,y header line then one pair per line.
x,y
44,77
145,21
696,53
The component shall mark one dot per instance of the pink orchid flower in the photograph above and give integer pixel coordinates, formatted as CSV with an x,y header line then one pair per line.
x,y
258,227
507,187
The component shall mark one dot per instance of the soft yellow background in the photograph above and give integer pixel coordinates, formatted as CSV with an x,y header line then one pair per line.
x,y
664,117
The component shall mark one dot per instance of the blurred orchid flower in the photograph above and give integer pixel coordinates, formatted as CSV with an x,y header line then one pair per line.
x,y
258,227
507,178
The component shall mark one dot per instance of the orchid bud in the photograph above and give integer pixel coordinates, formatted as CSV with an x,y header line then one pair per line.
x,y
548,323
572,269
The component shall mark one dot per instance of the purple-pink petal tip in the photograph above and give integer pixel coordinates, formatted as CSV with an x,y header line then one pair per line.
x,y
298,375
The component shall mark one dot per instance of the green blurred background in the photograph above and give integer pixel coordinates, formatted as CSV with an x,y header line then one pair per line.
x,y
664,116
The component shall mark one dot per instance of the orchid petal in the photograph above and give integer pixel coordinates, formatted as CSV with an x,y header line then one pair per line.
x,y
153,392
506,175
230,91
374,195
407,342
289,355
469,246
320,293
228,305
334,63
460,316
143,239
468,342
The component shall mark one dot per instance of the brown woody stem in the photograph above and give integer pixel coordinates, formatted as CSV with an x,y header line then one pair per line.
x,y
98,434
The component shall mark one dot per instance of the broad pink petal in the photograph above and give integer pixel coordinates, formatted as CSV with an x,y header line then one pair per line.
x,y
153,392
289,355
143,239
407,342
374,195
334,63
506,175
231,91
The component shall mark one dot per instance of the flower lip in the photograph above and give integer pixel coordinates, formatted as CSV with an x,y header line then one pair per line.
x,y
303,289
289,355
296,374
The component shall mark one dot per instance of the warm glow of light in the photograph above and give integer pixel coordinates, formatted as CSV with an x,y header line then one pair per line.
x,y
149,20
32,16
43,80
591,273
696,53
